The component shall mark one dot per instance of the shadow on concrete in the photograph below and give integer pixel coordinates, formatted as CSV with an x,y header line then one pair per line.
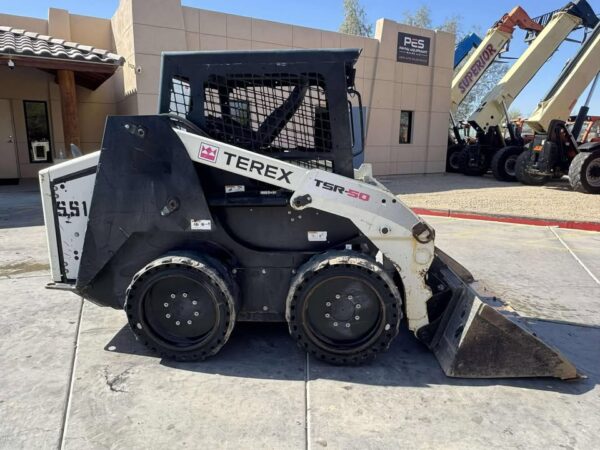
x,y
266,351
21,205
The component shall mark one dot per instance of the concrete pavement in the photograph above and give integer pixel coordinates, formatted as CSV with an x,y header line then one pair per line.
x,y
73,376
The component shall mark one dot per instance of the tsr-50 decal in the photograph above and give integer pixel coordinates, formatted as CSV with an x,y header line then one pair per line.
x,y
342,190
71,208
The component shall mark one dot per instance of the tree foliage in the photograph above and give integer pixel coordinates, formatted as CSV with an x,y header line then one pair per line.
x,y
355,20
421,17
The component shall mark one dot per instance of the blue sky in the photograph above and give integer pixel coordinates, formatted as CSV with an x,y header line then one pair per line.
x,y
327,14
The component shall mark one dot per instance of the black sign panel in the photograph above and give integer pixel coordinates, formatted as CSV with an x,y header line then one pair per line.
x,y
413,49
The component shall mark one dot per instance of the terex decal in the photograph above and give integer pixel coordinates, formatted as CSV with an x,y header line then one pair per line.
x,y
342,190
489,53
259,167
208,152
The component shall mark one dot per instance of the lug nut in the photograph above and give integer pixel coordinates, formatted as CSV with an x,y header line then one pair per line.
x,y
189,322
350,297
335,324
196,313
338,296
178,323
327,315
347,325
194,302
168,316
184,295
356,317
358,306
166,305
172,295
328,304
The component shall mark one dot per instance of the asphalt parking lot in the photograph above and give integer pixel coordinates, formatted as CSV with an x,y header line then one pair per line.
x,y
72,375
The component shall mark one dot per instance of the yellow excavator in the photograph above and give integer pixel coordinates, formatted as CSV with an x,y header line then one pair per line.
x,y
555,150
492,149
492,45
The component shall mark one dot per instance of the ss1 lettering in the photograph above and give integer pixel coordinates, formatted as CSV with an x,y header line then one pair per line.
x,y
72,208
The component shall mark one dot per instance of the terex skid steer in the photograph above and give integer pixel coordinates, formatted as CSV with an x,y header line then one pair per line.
x,y
239,202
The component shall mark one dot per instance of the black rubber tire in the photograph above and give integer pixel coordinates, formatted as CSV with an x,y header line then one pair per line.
x,y
213,299
525,177
504,163
584,172
382,292
466,169
452,162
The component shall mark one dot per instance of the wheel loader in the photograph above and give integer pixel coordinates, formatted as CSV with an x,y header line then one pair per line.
x,y
239,202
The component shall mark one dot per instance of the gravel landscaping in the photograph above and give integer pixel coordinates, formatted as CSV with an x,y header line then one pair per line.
x,y
457,192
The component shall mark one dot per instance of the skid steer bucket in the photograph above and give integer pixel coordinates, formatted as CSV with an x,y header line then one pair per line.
x,y
480,337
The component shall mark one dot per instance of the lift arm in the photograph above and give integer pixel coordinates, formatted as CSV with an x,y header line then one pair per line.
x,y
491,46
494,106
575,77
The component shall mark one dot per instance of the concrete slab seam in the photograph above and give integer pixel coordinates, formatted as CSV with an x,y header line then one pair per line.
x,y
575,256
307,403
63,431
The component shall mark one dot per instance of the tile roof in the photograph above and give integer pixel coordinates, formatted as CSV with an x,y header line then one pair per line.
x,y
26,43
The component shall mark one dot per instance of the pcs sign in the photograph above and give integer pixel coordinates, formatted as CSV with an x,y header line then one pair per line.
x,y
413,49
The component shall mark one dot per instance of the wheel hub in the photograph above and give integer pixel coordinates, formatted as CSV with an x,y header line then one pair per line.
x,y
510,165
343,310
592,173
180,308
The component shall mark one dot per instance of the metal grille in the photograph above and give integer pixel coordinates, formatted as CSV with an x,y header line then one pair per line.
x,y
180,97
269,113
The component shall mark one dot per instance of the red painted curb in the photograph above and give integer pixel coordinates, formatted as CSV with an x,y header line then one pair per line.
x,y
570,224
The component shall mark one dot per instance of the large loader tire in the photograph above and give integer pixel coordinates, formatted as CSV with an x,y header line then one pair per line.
x,y
480,170
584,172
504,163
525,177
343,308
182,307
452,160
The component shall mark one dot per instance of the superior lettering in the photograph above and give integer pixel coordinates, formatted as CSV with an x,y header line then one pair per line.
x,y
488,54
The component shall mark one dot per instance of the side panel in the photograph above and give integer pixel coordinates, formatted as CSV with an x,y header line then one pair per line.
x,y
66,197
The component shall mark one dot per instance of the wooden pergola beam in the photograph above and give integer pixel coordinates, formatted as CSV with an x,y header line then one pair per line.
x,y
68,104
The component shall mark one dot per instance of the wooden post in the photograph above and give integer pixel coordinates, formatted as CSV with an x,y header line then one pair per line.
x,y
68,104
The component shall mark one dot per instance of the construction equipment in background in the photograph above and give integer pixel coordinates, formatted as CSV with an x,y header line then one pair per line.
x,y
492,45
555,150
464,47
239,202
493,111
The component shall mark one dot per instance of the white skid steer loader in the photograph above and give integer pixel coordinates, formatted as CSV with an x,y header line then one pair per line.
x,y
239,202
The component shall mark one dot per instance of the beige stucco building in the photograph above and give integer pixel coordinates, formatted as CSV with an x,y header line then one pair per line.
x,y
404,75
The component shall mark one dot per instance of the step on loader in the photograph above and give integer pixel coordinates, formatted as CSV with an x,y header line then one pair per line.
x,y
239,202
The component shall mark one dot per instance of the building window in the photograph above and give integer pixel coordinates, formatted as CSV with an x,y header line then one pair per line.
x,y
38,131
406,125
